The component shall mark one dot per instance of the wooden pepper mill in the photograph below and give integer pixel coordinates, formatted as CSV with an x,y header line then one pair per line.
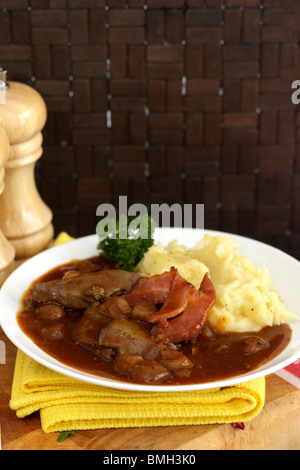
x,y
26,221
7,252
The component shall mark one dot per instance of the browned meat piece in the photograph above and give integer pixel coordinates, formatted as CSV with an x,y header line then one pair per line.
x,y
97,316
118,306
128,337
88,328
138,355
154,289
78,292
176,302
96,263
131,320
107,354
50,311
115,307
254,344
181,309
53,332
149,372
142,310
174,360
124,362
188,324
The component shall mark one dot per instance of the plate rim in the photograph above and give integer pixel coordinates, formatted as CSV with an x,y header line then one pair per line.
x,y
59,367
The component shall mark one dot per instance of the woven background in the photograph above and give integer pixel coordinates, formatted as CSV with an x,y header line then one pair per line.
x,y
165,101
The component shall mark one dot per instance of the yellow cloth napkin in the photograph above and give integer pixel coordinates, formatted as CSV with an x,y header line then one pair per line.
x,y
69,404
63,237
65,403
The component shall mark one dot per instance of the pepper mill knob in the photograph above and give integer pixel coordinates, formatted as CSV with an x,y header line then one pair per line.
x,y
7,252
25,219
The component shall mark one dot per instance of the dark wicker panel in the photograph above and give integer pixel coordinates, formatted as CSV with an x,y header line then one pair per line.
x,y
165,101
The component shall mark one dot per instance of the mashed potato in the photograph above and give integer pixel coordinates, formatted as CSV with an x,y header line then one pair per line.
x,y
246,299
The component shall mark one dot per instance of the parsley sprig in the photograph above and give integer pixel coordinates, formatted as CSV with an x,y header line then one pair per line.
x,y
126,241
64,434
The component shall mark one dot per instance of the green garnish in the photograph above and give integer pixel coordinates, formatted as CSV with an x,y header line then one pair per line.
x,y
125,242
64,434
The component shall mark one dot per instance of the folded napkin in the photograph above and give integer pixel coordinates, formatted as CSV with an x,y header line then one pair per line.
x,y
291,373
65,403
63,237
69,404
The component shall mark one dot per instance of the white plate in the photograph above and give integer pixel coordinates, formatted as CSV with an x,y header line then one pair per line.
x,y
284,270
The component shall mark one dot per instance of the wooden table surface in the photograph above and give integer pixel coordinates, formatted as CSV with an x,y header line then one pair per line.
x,y
277,427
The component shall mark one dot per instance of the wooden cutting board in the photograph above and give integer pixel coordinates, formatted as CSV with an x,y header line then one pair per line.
x,y
277,427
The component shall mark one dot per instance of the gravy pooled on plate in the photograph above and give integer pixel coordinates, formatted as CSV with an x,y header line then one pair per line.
x,y
116,324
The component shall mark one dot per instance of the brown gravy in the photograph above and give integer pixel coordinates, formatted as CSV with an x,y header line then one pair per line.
x,y
215,356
